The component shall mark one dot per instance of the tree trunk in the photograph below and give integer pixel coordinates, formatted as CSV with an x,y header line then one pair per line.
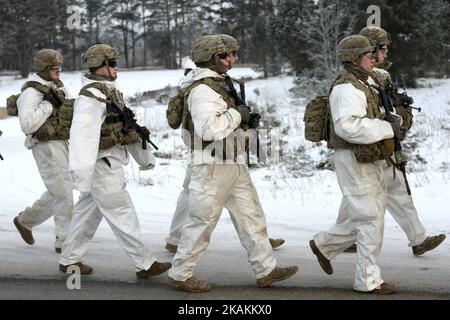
x,y
74,52
145,32
97,29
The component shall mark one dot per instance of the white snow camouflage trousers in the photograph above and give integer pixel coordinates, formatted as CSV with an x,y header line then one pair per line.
x,y
181,212
212,188
52,160
400,205
110,199
365,200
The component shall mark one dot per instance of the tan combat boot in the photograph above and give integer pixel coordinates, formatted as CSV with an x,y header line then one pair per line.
x,y
275,243
192,285
385,288
84,268
352,249
26,234
156,269
171,248
429,244
323,261
277,274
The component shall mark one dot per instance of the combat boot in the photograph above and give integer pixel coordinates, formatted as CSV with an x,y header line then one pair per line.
x,y
26,234
84,268
275,243
352,249
277,274
323,261
156,269
429,244
171,248
192,285
385,288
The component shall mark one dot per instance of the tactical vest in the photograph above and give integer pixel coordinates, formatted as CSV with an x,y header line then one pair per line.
x,y
112,131
220,87
363,153
53,128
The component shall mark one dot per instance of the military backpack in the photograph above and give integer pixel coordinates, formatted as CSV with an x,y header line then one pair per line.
x,y
11,102
178,115
316,119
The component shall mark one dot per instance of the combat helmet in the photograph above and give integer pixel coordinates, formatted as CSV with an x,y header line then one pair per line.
x,y
230,42
207,47
47,58
376,34
96,55
351,48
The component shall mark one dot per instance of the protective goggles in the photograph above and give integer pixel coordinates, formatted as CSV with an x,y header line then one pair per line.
x,y
56,68
225,55
113,63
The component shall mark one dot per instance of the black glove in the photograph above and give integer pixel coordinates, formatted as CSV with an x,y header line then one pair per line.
x,y
53,98
395,124
255,119
244,111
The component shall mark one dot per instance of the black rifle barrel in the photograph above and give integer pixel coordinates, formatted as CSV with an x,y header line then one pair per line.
x,y
389,108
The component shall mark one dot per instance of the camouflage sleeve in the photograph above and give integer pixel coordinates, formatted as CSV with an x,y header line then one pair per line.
x,y
407,116
406,113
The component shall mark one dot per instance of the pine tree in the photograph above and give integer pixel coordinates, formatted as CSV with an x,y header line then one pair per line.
x,y
418,33
25,31
287,29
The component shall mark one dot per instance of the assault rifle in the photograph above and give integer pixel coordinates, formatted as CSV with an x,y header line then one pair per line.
x,y
255,118
389,100
399,99
128,118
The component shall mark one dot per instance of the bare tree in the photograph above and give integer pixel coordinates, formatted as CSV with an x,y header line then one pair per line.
x,y
324,25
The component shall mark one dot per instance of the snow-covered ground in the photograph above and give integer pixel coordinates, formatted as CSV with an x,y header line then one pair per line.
x,y
296,207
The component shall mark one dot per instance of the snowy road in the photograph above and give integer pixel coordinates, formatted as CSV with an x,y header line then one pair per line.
x,y
113,278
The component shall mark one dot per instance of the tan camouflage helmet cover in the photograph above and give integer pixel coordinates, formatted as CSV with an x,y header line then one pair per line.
x,y
206,47
379,35
46,58
352,47
99,53
230,42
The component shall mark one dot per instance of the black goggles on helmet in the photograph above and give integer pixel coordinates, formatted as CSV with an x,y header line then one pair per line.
x,y
225,55
112,63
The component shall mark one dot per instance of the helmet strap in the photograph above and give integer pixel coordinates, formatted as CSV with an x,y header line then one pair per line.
x,y
217,66
357,71
45,74
111,77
